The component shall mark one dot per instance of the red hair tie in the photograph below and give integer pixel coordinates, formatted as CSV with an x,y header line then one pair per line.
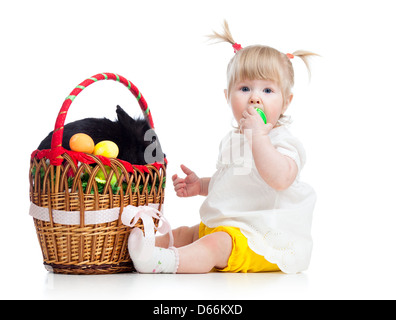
x,y
236,47
290,56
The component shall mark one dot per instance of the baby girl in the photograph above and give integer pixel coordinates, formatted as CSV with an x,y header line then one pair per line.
x,y
257,213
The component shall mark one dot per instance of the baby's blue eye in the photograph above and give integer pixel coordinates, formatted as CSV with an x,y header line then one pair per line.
x,y
267,90
245,89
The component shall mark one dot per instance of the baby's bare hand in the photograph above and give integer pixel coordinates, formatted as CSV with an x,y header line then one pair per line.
x,y
189,186
251,120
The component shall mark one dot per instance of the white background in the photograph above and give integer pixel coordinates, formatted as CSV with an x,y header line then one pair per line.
x,y
344,117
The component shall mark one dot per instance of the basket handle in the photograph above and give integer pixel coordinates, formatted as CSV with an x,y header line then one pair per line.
x,y
57,136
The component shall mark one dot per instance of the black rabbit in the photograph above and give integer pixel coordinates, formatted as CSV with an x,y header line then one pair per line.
x,y
137,142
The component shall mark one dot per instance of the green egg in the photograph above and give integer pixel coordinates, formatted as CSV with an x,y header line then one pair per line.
x,y
262,114
100,177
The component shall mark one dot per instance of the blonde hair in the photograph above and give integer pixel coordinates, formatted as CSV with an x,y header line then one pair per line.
x,y
259,62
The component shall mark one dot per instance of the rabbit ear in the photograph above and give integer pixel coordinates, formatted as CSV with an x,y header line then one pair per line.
x,y
123,117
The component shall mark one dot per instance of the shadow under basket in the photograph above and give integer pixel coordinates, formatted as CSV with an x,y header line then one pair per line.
x,y
77,219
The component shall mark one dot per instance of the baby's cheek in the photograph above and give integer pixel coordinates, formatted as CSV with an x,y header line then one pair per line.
x,y
272,117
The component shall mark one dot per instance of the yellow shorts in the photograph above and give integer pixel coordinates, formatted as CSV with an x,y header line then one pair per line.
x,y
242,258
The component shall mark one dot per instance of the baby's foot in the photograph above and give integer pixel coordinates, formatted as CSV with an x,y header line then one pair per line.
x,y
150,259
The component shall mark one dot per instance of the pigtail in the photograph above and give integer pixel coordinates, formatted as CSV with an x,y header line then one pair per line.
x,y
223,37
304,56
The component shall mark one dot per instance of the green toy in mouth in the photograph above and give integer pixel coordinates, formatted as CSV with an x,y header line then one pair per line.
x,y
262,114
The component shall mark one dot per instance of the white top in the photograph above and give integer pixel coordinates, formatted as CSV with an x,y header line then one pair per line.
x,y
277,224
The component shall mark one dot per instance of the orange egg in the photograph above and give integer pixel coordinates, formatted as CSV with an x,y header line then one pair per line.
x,y
82,142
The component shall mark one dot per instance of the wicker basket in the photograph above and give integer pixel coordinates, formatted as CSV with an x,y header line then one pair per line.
x,y
63,181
